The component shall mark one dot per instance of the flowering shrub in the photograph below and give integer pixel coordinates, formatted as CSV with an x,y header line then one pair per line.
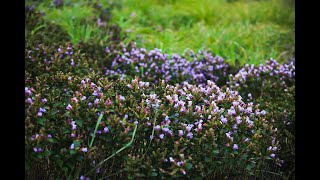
x,y
44,59
130,61
265,80
273,87
146,130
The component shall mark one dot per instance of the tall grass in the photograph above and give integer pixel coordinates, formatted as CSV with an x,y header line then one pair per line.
x,y
247,31
76,18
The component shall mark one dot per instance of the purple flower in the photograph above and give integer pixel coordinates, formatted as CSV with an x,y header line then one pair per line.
x,y
157,128
228,134
238,120
122,98
234,126
84,150
39,114
83,98
189,127
223,119
44,100
96,101
274,148
27,91
73,124
161,136
179,163
235,147
90,104
72,146
106,130
165,129
272,155
171,159
75,99
29,100
82,177
189,135
263,112
136,122
35,149
42,110
246,140
180,133
69,107
49,136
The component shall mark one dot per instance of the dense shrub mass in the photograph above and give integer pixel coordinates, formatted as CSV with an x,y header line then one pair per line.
x,y
174,124
273,87
44,59
265,80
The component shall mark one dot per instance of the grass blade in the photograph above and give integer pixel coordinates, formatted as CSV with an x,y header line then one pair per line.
x,y
95,130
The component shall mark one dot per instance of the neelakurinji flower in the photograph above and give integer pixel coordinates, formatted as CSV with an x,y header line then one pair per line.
x,y
180,133
223,119
106,130
84,149
39,114
235,147
96,101
29,100
157,128
272,155
189,135
69,107
44,100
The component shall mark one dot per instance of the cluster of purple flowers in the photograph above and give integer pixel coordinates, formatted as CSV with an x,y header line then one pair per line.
x,y
282,73
153,65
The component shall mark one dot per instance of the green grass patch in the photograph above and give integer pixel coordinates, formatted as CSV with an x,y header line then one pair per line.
x,y
247,31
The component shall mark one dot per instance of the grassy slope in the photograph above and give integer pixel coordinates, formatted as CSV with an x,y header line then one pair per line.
x,y
249,31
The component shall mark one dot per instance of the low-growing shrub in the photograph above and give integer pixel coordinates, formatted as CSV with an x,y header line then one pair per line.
x,y
43,59
146,130
273,87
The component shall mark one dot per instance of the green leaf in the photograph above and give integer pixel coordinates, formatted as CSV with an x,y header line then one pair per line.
x,y
76,144
79,123
235,152
54,112
95,130
188,166
73,152
80,158
47,153
154,174
215,151
41,121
